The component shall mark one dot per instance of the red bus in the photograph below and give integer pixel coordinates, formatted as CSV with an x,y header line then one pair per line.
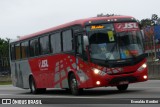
x,y
86,53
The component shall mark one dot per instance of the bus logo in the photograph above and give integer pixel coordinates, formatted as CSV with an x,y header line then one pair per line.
x,y
121,27
43,63
130,25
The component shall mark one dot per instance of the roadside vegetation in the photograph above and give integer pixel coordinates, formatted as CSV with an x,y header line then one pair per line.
x,y
5,80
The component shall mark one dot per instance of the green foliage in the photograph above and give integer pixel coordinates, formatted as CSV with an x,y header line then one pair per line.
x,y
149,21
5,83
146,22
4,47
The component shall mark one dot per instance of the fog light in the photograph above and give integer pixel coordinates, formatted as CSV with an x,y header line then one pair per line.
x,y
98,82
145,77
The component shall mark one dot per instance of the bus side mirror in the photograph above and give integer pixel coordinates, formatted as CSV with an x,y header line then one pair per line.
x,y
86,42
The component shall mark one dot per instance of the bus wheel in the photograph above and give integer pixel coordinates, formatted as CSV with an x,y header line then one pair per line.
x,y
74,85
122,87
33,88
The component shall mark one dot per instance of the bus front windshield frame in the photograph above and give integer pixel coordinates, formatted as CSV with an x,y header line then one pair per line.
x,y
107,44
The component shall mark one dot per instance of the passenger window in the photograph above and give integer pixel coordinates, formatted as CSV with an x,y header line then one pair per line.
x,y
44,45
24,49
12,52
18,54
34,47
67,40
55,43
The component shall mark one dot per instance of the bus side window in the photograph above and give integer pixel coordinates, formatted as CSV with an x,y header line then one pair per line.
x,y
24,49
12,52
18,53
55,40
79,44
67,40
34,47
44,45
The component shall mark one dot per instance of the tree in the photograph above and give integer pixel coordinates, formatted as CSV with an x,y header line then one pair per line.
x,y
4,47
154,20
4,56
146,22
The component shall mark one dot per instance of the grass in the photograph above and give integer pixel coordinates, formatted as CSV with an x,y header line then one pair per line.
x,y
5,82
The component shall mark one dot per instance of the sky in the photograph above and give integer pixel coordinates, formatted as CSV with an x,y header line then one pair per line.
x,y
23,17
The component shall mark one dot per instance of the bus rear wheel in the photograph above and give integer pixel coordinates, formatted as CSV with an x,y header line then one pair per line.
x,y
122,87
33,88
73,84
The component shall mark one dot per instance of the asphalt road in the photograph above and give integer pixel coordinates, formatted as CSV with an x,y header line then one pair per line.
x,y
149,90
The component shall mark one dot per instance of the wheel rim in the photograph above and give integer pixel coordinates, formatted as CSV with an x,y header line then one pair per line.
x,y
74,85
32,86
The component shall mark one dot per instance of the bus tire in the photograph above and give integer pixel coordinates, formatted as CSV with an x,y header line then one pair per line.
x,y
42,90
122,87
73,84
33,88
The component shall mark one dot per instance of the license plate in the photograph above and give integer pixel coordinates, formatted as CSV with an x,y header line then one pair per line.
x,y
123,82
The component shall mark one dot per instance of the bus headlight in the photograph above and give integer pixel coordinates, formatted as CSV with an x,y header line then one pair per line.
x,y
96,71
142,67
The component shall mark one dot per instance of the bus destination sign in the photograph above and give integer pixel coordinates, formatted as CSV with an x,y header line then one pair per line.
x,y
93,27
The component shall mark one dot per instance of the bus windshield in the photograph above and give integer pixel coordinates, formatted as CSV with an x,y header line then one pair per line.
x,y
107,44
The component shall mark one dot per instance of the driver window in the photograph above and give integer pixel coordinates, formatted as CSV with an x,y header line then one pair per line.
x,y
79,44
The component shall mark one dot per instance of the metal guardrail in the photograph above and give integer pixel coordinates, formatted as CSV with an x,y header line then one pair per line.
x,y
154,69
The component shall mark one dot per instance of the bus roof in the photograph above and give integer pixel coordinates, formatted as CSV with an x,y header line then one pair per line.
x,y
76,22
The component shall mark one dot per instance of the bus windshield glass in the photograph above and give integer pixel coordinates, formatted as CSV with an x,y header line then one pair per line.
x,y
108,44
